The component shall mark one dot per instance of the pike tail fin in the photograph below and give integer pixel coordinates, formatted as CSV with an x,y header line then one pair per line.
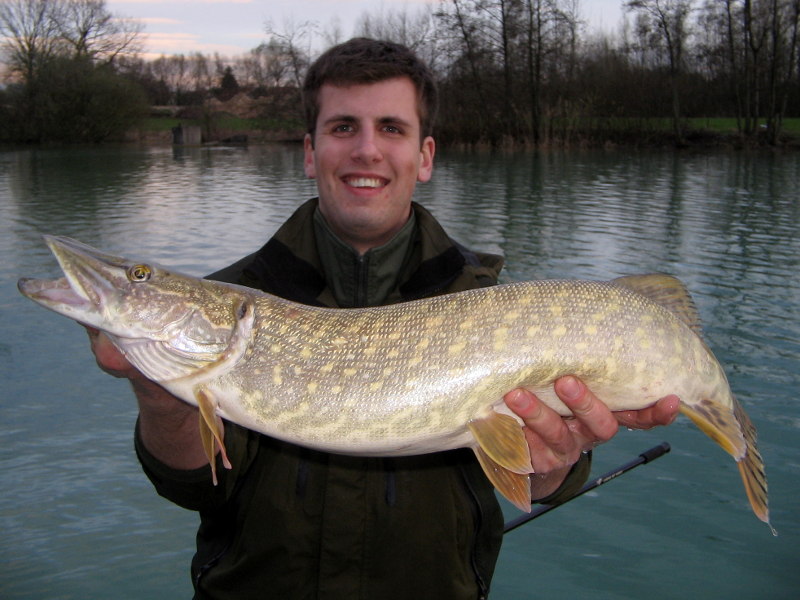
x,y
735,433
211,431
503,454
751,468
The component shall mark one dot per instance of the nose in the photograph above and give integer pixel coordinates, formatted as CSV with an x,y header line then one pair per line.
x,y
366,148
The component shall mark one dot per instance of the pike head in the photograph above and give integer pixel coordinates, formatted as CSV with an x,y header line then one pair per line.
x,y
169,325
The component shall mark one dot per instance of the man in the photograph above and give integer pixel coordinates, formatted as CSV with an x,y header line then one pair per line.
x,y
289,522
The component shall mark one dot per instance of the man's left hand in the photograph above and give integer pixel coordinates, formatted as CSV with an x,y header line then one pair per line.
x,y
556,442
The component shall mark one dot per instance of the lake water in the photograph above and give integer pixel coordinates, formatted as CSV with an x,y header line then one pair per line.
x,y
79,519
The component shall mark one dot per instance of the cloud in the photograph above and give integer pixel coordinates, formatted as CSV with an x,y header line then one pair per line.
x,y
159,21
158,44
116,2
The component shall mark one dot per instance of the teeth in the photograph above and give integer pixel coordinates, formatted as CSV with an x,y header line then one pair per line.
x,y
365,182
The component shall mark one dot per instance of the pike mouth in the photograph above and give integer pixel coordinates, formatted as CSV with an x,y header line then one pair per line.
x,y
52,292
89,280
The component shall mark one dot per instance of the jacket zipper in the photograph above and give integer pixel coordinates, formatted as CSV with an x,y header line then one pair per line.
x,y
477,514
360,293
210,564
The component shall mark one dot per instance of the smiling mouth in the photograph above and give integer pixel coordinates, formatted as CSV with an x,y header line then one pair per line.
x,y
365,182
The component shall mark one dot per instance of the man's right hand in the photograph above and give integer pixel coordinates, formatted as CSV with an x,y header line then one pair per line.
x,y
108,358
168,426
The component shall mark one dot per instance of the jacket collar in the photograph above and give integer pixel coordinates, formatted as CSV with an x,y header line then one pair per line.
x,y
288,265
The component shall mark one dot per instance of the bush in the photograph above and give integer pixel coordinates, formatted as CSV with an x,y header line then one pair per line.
x,y
73,100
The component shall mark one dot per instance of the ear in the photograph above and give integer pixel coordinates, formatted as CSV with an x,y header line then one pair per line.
x,y
426,159
308,157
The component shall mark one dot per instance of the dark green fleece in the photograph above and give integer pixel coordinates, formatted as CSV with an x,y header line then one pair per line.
x,y
288,522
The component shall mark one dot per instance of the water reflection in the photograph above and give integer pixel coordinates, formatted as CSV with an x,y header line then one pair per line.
x,y
226,199
81,521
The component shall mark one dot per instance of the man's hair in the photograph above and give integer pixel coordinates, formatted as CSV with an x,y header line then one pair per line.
x,y
363,61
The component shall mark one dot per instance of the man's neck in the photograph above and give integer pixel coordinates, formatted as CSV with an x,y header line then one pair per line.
x,y
362,279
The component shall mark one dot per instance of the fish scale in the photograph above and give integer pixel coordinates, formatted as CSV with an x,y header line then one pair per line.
x,y
409,378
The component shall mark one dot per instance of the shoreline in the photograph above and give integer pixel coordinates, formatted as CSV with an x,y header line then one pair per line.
x,y
694,140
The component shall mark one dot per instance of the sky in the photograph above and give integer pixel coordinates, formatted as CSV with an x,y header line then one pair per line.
x,y
233,27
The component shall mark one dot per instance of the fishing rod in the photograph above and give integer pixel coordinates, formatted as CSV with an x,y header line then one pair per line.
x,y
645,457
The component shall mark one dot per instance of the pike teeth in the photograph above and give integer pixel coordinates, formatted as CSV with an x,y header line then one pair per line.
x,y
52,291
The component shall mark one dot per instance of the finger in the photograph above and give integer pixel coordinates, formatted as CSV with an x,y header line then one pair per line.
x,y
592,416
525,405
537,416
549,439
663,412
108,357
667,409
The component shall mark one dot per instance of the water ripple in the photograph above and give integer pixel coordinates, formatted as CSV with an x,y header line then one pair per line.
x,y
81,521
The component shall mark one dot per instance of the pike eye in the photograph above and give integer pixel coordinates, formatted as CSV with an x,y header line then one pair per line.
x,y
139,273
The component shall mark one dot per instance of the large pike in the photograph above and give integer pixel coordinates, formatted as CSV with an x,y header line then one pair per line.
x,y
408,378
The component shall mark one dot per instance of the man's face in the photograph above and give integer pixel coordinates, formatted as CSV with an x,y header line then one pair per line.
x,y
367,158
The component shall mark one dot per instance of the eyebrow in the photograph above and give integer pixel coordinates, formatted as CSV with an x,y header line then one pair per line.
x,y
345,118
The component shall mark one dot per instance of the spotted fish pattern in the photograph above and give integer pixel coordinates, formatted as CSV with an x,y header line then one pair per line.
x,y
408,378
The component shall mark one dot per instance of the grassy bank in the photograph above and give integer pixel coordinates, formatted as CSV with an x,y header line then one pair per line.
x,y
595,131
217,128
705,131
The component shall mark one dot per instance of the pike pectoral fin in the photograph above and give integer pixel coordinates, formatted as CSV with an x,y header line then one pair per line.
x,y
735,433
211,432
504,456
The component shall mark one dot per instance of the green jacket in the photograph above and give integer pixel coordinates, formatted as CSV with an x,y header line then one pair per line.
x,y
288,522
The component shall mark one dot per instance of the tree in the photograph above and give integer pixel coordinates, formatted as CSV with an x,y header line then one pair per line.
x,y
35,31
670,18
74,100
784,22
60,54
200,74
467,73
502,18
294,40
414,29
269,65
756,56
30,33
228,86
91,31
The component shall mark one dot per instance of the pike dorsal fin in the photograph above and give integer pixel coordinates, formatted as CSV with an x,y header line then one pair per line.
x,y
667,291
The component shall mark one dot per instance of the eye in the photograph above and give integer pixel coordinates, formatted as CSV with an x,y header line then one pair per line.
x,y
343,129
139,273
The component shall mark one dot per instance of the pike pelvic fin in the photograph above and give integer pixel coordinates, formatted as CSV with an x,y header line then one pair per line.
x,y
501,438
211,433
503,454
667,291
516,487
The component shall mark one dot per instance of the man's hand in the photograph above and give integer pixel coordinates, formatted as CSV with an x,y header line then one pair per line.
x,y
108,358
168,426
556,443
